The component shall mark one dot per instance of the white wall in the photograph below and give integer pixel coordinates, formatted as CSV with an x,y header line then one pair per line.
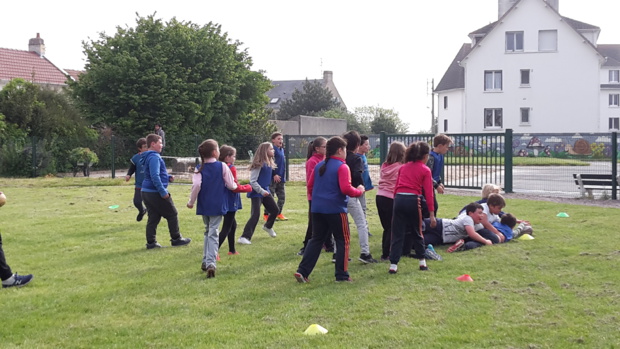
x,y
454,112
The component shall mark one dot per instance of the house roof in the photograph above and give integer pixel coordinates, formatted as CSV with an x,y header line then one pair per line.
x,y
455,75
283,90
29,66
75,74
611,54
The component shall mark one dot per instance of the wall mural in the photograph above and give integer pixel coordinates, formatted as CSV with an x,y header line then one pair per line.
x,y
567,146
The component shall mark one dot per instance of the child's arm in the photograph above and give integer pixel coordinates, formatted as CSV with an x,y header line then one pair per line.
x,y
245,188
196,184
491,228
132,170
229,180
254,173
344,182
475,236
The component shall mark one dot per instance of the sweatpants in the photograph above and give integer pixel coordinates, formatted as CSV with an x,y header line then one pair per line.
x,y
5,270
229,228
357,213
406,220
211,242
270,205
385,207
159,207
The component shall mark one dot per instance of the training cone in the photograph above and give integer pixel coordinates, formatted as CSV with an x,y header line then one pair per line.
x,y
465,277
525,237
563,215
113,207
315,329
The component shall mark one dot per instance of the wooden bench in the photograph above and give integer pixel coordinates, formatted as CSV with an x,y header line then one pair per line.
x,y
588,182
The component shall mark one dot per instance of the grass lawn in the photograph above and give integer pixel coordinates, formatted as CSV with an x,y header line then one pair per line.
x,y
97,286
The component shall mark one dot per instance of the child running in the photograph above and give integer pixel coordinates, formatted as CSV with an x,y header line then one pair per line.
x,y
209,183
260,178
414,180
331,189
228,155
137,168
316,154
385,193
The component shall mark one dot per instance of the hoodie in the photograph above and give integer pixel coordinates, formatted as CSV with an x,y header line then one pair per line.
x,y
387,180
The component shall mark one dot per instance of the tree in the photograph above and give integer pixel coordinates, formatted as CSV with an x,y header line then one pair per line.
x,y
190,78
353,122
382,120
313,99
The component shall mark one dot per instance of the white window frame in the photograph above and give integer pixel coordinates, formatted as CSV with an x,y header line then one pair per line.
x,y
445,125
514,41
529,77
493,118
614,100
445,102
528,112
548,40
495,80
614,76
614,124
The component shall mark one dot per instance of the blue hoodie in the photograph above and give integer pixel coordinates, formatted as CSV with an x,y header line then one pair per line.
x,y
155,174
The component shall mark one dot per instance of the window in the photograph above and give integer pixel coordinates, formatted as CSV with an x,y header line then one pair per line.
x,y
493,80
514,41
525,77
445,102
525,116
274,100
445,126
614,76
614,124
547,40
493,118
614,100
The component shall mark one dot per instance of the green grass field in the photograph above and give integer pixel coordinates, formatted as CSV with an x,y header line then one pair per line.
x,y
97,286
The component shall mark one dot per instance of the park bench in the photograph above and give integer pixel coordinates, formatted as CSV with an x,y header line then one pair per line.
x,y
588,182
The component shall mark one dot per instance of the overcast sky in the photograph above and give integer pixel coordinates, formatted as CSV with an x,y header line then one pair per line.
x,y
382,53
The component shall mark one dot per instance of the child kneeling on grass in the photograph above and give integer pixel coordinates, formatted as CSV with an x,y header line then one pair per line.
x,y
456,231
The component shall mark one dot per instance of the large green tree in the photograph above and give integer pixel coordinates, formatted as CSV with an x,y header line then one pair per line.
x,y
381,120
190,78
311,100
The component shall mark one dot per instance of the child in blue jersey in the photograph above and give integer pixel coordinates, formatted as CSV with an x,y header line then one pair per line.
x,y
211,182
506,225
441,144
363,149
136,167
260,178
331,189
278,179
228,155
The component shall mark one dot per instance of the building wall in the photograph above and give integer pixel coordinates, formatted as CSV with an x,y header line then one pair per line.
x,y
311,125
453,113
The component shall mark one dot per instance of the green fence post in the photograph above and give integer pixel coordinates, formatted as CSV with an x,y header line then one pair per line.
x,y
34,156
508,161
113,168
383,147
286,155
614,165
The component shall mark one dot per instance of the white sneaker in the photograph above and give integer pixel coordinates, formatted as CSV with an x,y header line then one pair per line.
x,y
393,269
269,231
244,241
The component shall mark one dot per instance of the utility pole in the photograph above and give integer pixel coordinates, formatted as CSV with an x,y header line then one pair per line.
x,y
433,120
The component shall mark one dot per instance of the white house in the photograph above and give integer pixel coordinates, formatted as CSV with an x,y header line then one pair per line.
x,y
533,71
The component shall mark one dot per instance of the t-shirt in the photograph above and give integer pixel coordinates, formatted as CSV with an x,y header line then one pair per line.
x,y
504,229
491,217
454,229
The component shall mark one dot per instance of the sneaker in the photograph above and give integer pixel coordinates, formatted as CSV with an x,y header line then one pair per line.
x,y
301,279
217,257
18,280
456,247
367,258
233,253
301,252
140,216
424,267
527,230
281,217
269,231
181,241
244,241
344,280
265,217
432,255
153,245
393,269
203,266
210,271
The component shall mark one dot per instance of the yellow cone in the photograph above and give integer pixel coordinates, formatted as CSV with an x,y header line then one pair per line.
x,y
315,329
526,237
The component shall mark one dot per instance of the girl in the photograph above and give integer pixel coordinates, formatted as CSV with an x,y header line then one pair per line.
x,y
385,193
414,180
209,183
331,188
316,154
228,155
260,178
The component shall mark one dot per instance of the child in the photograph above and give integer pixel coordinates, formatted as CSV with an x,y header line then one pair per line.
x,y
209,183
505,226
316,154
228,155
385,193
260,178
363,149
450,231
441,144
8,278
414,180
136,167
331,189
278,179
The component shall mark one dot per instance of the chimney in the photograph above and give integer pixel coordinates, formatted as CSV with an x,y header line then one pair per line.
x,y
555,4
37,45
504,6
328,76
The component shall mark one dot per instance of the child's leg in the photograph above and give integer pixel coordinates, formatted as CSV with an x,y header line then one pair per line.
x,y
226,226
137,200
355,210
211,245
403,208
320,233
339,226
309,229
152,201
385,207
270,205
250,226
231,234
5,270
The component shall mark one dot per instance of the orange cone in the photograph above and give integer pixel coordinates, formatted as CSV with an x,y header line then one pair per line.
x,y
465,277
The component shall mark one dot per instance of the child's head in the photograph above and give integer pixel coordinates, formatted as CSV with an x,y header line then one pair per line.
x,y
396,153
141,145
317,146
441,144
353,140
151,139
332,147
489,189
509,220
496,202
264,155
277,139
474,210
417,151
208,149
364,145
228,154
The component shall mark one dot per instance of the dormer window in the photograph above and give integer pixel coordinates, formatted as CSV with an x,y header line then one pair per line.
x,y
514,41
274,100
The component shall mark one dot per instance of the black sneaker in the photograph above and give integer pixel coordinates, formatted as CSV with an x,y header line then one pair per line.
x,y
203,266
19,280
367,258
140,216
344,280
301,252
181,241
424,267
153,245
210,271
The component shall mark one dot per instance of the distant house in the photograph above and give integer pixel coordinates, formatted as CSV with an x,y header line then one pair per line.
x,y
33,66
283,90
532,71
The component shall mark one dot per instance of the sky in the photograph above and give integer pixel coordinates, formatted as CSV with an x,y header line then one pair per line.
x,y
381,53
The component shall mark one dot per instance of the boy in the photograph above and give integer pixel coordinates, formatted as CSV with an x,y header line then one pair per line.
x,y
441,144
505,226
8,278
362,151
277,181
137,168
156,196
491,209
456,231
